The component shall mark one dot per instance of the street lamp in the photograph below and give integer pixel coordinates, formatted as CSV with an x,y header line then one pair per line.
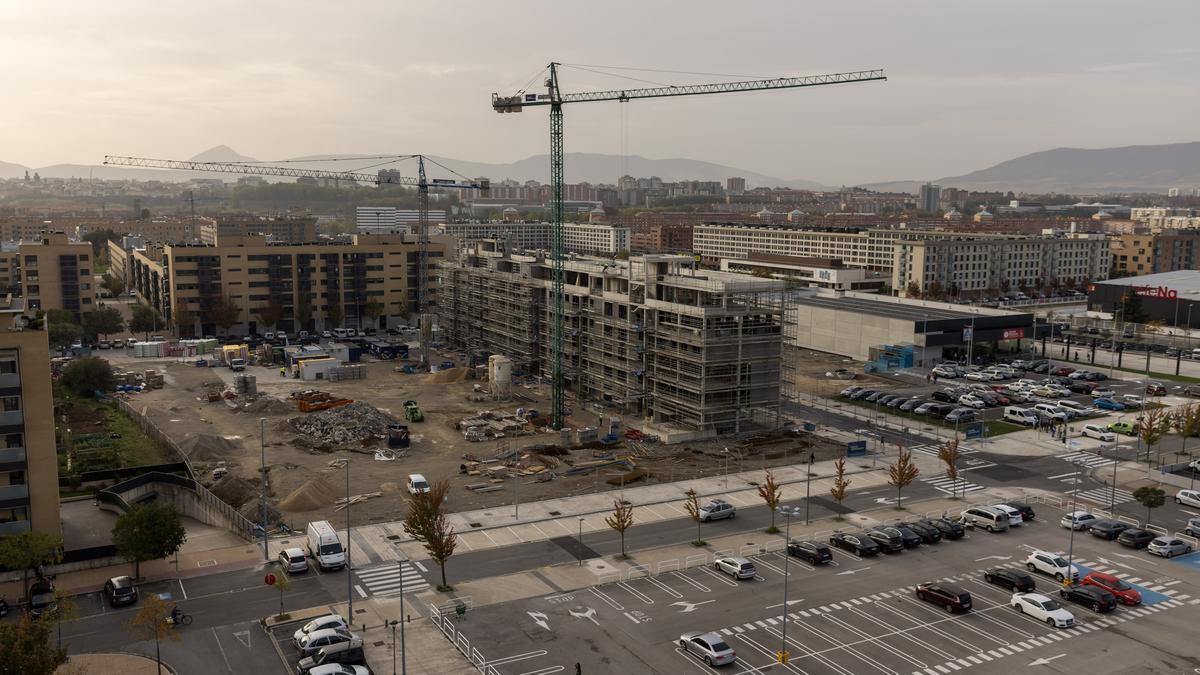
x,y
788,512
393,623
1069,578
726,451
262,492
1112,499
349,577
808,484
581,542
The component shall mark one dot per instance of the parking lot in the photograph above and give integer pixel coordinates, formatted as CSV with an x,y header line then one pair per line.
x,y
853,616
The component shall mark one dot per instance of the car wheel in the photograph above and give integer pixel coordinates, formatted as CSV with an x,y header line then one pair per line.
x,y
683,645
1020,609
1096,607
1050,622
921,595
990,528
988,578
1059,576
1177,501
949,609
1030,567
707,660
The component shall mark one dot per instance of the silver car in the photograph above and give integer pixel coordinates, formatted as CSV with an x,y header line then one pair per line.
x,y
1168,547
716,510
736,566
710,647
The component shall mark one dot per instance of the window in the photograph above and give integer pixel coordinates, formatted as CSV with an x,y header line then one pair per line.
x,y
10,403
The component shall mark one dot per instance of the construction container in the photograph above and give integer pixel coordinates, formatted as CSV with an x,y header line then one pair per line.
x,y
347,373
234,352
149,349
398,436
586,435
317,368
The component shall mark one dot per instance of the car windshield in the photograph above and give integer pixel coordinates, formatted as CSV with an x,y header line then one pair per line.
x,y
420,485
1051,605
331,549
1118,585
1058,562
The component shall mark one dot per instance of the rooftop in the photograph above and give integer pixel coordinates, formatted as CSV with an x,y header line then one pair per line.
x,y
897,308
1180,280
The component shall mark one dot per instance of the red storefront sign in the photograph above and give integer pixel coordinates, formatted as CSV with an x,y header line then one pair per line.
x,y
1012,334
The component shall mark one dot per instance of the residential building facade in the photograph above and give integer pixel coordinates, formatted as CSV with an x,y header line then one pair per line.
x,y
290,229
580,238
1140,253
56,273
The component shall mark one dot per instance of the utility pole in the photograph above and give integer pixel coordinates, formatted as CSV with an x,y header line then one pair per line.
x,y
262,492
349,577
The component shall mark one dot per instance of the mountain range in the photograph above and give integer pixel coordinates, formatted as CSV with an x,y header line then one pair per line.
x,y
1134,168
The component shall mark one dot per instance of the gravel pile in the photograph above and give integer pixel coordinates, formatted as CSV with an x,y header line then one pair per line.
x,y
356,423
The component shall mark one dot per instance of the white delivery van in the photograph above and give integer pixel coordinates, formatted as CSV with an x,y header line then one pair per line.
x,y
324,546
1020,415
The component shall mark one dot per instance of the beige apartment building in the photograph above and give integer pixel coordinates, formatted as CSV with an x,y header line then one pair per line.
x,y
28,455
370,281
57,273
290,229
1139,253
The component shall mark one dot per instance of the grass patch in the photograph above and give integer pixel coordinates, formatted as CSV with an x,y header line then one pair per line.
x,y
106,438
1000,427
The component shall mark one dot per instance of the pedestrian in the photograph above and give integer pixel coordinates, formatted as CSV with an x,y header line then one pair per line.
x,y
283,372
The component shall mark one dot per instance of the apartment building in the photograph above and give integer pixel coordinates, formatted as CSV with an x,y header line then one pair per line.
x,y
1140,253
581,238
368,281
809,272
856,247
651,335
661,238
165,229
56,273
25,229
28,456
967,264
289,229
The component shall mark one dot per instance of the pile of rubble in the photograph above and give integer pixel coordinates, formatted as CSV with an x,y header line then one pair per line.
x,y
487,425
357,423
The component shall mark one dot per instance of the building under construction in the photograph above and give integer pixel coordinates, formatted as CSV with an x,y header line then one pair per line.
x,y
686,348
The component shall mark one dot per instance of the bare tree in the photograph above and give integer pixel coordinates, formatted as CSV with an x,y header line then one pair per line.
x,y
902,474
693,508
771,493
949,453
621,520
426,522
150,623
840,482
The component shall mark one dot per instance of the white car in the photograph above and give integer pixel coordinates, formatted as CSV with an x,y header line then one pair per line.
x,y
1133,401
736,567
1077,520
970,401
1051,565
1194,465
293,560
710,647
339,669
945,372
1103,393
1043,608
319,623
417,484
978,376
1099,433
1015,519
1079,374
1189,497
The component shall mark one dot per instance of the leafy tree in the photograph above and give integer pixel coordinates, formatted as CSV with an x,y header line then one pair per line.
x,y
949,453
913,290
840,482
623,254
115,285
148,532
935,290
621,520
225,312
103,321
334,314
1131,308
150,623
771,494
26,647
88,375
304,310
99,240
283,584
1186,422
1152,426
26,551
63,335
1150,497
693,509
902,474
59,316
373,309
270,313
426,522
143,319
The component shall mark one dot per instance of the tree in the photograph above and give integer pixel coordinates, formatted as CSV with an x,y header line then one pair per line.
x,y
771,494
621,520
426,522
283,584
88,375
902,473
949,453
225,312
183,317
143,319
63,335
99,240
1150,497
913,290
334,314
1186,422
270,313
692,505
373,309
148,532
623,254
304,310
1131,308
934,290
1153,424
26,647
115,285
59,316
840,482
26,551
104,321
150,623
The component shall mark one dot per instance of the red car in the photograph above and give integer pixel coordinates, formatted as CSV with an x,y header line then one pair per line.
x,y
1127,594
1064,371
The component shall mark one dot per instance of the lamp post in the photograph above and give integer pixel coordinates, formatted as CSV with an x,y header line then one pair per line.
x,y
349,577
924,338
1069,578
1112,498
262,491
726,451
808,484
393,623
788,512
403,651
581,542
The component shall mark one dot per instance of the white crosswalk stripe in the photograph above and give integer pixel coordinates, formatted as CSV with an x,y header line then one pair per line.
x,y
1088,459
948,486
385,580
932,449
1104,495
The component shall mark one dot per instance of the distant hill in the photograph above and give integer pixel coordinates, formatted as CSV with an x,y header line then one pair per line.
x,y
221,153
12,170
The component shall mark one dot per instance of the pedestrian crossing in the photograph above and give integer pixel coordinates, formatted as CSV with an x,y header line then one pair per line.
x,y
387,580
931,449
1104,495
1088,459
952,487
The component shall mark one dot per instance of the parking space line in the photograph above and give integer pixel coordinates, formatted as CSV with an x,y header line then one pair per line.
x,y
928,626
564,527
686,579
636,593
883,645
773,568
722,578
543,532
848,555
771,654
545,671
666,589
692,660
608,599
806,652
903,633
654,513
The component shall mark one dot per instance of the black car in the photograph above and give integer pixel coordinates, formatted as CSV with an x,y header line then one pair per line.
x,y
890,542
1136,538
948,528
912,404
1012,579
909,538
860,544
1107,529
1093,376
928,532
811,552
1081,387
859,395
953,598
875,396
120,591
897,402
1098,599
1026,510
944,396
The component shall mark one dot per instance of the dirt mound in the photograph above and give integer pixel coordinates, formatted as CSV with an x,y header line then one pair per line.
x,y
268,405
206,447
313,495
446,376
389,487
253,511
358,423
234,491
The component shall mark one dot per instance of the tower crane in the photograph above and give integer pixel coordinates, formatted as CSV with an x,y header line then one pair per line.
x,y
421,182
556,99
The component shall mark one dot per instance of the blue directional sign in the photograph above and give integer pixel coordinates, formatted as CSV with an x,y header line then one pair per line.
x,y
856,449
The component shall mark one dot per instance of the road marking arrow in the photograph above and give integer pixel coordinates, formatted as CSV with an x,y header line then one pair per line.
x,y
856,571
589,613
690,606
540,619
1045,661
1134,557
1114,562
789,603
994,557
890,501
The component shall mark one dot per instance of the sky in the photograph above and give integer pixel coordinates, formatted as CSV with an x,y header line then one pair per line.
x,y
969,84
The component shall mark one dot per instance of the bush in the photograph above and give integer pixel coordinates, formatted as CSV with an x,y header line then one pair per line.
x,y
87,375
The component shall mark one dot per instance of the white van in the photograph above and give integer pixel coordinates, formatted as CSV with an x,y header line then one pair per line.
x,y
417,484
341,332
1051,411
987,518
324,546
1020,415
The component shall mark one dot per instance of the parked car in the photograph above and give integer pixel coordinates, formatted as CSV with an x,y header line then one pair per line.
x,y
971,401
736,567
1133,401
1051,565
851,390
861,545
862,394
1126,428
1107,529
875,396
120,591
1121,590
885,399
1077,520
961,416
895,403
951,597
1108,404
1099,433
716,510
1043,608
1027,513
943,396
1152,388
924,408
987,518
950,529
1015,519
928,533
811,552
338,668
1192,529
1188,497
1103,392
945,372
1136,538
909,538
1098,599
891,543
312,642
912,404
293,560
1012,579
1168,547
708,647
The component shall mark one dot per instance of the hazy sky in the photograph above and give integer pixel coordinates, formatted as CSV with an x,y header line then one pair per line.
x,y
970,83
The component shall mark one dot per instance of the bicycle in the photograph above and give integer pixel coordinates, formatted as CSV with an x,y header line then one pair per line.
x,y
183,620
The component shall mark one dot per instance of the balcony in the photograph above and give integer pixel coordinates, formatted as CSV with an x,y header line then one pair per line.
x,y
14,493
10,418
14,527
8,380
10,458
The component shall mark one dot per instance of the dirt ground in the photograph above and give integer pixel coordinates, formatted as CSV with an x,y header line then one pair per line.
x,y
305,478
810,374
